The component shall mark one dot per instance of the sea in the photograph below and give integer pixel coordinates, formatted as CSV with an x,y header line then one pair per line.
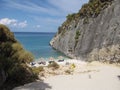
x,y
38,44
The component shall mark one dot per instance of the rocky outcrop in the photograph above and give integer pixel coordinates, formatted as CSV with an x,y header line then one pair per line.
x,y
81,37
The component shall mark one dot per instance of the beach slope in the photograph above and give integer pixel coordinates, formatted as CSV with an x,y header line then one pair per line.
x,y
93,76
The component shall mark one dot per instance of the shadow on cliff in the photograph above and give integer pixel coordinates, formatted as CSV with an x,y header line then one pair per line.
x,y
40,85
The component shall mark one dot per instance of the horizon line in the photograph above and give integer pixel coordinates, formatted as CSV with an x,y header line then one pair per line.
x,y
32,32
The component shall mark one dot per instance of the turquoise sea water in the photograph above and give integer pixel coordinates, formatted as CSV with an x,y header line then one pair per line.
x,y
38,44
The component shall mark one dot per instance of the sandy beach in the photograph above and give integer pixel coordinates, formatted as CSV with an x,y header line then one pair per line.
x,y
86,76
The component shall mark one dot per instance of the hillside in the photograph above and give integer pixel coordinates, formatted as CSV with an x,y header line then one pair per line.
x,y
91,34
13,59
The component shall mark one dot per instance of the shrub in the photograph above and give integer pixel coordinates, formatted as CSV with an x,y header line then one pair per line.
x,y
77,35
93,8
72,66
37,70
53,65
89,10
70,17
76,38
68,71
5,34
85,21
63,32
59,30
13,59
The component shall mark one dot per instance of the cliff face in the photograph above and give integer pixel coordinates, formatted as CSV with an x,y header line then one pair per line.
x,y
88,38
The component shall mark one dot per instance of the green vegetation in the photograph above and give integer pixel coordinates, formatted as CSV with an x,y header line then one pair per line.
x,y
37,70
70,17
86,20
76,37
73,66
68,71
93,8
71,69
53,65
13,59
61,31
6,35
89,10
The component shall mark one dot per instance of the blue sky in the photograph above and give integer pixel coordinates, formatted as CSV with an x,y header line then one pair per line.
x,y
37,15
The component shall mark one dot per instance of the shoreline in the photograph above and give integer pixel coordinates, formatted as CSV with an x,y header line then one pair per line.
x,y
60,60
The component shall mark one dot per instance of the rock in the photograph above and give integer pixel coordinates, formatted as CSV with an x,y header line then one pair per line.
x,y
98,33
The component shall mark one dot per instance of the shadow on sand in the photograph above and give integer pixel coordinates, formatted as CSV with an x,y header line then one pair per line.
x,y
40,85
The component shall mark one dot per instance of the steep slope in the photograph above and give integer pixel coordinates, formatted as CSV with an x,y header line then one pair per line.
x,y
91,34
13,59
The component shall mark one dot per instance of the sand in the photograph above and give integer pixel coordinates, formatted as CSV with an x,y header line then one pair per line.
x,y
93,76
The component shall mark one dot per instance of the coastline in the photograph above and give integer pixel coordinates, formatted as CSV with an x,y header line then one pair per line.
x,y
60,60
